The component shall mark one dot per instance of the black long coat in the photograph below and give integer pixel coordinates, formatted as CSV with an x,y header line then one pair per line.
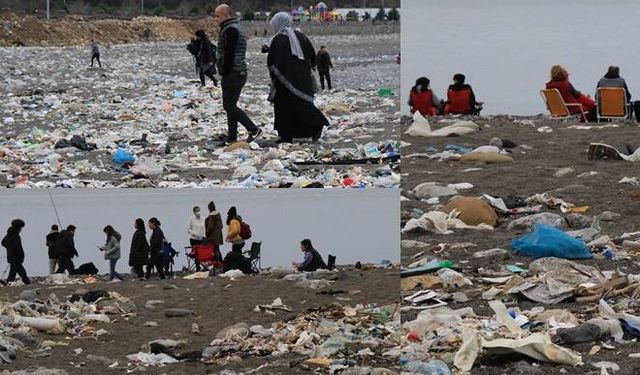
x,y
139,254
13,243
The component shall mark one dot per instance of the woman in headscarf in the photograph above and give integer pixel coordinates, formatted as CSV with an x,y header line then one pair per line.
x,y
139,255
291,57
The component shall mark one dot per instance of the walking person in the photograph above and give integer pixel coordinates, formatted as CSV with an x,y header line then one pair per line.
x,y
66,250
324,66
232,67
139,253
15,253
95,53
156,243
291,57
234,228
213,230
205,58
51,239
112,251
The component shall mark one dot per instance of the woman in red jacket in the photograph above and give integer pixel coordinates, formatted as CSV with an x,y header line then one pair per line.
x,y
560,80
423,100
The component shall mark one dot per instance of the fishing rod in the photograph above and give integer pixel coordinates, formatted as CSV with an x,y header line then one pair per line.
x,y
55,209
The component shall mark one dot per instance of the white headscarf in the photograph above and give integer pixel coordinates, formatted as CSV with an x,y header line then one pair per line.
x,y
281,24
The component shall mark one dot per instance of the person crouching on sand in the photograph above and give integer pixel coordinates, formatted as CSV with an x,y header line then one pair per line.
x,y
312,259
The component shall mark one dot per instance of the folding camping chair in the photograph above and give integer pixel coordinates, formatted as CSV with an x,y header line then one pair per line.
x,y
254,256
612,103
205,254
558,108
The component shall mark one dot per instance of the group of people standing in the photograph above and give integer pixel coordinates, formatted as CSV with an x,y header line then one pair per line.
x,y
291,58
460,98
209,231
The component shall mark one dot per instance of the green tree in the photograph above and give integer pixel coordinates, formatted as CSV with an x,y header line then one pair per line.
x,y
248,15
352,15
367,16
380,15
158,11
393,15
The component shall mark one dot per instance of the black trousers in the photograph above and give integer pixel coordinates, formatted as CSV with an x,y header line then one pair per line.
x,y
139,271
232,85
97,57
65,264
17,268
324,75
209,73
636,109
155,261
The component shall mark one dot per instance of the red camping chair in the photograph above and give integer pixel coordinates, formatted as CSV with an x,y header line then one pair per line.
x,y
459,101
205,254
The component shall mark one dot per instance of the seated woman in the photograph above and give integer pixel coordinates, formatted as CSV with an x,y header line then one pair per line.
x,y
312,259
423,100
560,80
460,98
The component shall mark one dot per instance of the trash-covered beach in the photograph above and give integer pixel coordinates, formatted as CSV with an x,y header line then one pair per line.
x,y
344,320
520,246
143,120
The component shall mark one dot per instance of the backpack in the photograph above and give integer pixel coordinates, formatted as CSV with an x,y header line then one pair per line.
x,y
245,230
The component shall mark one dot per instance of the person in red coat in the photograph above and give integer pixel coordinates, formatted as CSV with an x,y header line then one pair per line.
x,y
560,80
423,100
461,99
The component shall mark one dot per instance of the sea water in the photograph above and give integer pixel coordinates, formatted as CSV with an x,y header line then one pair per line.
x,y
507,47
355,225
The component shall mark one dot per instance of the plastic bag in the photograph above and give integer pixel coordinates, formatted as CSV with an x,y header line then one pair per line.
x,y
546,241
123,156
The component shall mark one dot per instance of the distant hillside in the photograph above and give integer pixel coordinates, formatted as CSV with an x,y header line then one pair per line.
x,y
171,8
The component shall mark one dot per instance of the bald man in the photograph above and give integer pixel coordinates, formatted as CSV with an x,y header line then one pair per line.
x,y
232,67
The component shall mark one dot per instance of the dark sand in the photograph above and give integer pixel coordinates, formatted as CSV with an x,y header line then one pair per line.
x,y
218,303
531,173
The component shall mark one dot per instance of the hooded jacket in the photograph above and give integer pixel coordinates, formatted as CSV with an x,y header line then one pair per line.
x,y
13,244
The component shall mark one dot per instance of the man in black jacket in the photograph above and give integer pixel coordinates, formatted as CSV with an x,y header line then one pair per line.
x,y
51,239
15,253
65,250
232,67
323,61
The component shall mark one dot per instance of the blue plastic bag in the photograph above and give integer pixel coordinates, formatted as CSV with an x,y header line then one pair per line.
x,y
546,241
123,156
